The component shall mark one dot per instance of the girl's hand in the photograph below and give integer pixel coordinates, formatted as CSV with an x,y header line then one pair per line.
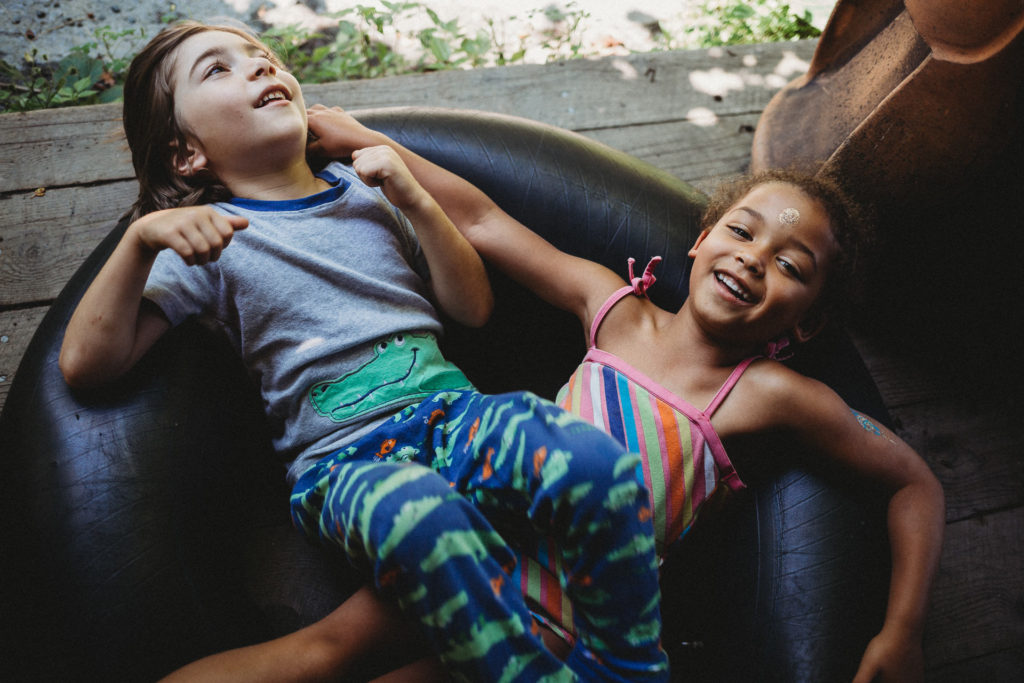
x,y
198,234
891,660
337,133
381,167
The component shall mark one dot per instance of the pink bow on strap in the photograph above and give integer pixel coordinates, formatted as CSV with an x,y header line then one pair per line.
x,y
643,283
778,349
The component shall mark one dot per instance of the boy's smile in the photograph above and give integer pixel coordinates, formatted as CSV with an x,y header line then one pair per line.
x,y
756,276
240,111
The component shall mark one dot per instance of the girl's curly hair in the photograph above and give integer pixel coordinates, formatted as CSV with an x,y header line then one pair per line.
x,y
852,229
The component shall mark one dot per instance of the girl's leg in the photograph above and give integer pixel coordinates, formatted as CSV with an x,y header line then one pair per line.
x,y
431,550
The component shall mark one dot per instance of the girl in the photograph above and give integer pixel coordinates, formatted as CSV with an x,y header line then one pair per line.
x,y
774,258
325,284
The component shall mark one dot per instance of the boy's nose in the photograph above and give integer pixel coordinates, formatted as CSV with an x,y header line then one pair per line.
x,y
262,66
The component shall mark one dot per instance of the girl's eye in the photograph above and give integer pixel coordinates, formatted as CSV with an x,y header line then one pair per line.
x,y
789,268
215,69
739,231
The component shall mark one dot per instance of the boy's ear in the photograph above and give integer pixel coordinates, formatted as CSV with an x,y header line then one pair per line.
x,y
809,327
700,238
189,161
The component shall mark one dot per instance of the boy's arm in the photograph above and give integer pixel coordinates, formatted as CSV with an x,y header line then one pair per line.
x,y
571,283
111,328
916,515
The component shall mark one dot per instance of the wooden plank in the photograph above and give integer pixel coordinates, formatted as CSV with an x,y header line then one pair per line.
x,y
976,601
604,92
905,374
44,239
699,152
1005,665
61,147
16,330
973,448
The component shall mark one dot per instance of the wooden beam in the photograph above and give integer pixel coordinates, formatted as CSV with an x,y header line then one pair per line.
x,y
976,601
16,330
45,238
59,147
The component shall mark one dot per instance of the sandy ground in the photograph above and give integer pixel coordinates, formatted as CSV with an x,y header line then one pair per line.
x,y
52,27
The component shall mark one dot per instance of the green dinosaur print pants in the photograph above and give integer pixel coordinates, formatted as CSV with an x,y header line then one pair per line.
x,y
429,502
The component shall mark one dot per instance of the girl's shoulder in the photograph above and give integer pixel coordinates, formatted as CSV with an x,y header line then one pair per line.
x,y
773,397
618,314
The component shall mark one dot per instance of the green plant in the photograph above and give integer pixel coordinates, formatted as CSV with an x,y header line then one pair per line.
x,y
562,39
369,41
499,48
92,73
728,22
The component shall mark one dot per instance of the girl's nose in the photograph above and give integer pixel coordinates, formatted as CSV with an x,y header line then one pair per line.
x,y
750,261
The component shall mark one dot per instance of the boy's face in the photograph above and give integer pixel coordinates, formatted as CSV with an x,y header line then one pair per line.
x,y
238,110
759,270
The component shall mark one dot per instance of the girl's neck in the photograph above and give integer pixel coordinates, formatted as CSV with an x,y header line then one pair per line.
x,y
704,347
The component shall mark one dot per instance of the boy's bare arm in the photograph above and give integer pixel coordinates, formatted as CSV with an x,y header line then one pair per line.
x,y
111,329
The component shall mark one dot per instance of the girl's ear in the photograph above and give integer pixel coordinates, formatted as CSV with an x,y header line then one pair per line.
x,y
188,162
809,327
700,238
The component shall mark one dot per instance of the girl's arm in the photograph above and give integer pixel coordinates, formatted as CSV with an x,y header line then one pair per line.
x,y
457,274
916,514
111,328
571,283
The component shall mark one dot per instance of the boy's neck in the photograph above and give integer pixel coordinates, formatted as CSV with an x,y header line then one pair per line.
x,y
294,181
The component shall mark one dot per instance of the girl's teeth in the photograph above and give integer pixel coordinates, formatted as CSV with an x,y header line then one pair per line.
x,y
734,287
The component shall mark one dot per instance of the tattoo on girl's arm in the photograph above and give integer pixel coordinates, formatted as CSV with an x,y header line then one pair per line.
x,y
870,426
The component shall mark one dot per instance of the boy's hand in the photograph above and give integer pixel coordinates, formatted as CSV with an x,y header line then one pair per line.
x,y
381,167
337,133
198,234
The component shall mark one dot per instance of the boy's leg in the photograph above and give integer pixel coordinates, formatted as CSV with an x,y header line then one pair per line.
x,y
516,454
427,546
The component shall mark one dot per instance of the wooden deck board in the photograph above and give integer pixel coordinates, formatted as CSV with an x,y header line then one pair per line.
x,y
16,330
976,601
689,113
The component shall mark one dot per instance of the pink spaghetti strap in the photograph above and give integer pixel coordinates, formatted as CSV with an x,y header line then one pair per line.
x,y
637,285
603,311
724,390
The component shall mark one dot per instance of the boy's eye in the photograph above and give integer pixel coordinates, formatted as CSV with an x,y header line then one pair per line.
x,y
214,69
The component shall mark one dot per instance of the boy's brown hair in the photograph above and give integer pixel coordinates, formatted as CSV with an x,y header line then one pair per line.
x,y
154,134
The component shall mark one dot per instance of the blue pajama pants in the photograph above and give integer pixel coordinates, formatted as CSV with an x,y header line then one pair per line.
x,y
420,500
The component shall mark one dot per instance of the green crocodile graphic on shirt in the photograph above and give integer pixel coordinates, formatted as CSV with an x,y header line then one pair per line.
x,y
404,368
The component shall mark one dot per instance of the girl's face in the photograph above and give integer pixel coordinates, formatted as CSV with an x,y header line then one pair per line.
x,y
759,270
238,110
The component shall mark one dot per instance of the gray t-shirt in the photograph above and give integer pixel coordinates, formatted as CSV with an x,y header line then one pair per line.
x,y
326,300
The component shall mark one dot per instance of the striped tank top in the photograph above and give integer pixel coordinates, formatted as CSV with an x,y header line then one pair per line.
x,y
683,458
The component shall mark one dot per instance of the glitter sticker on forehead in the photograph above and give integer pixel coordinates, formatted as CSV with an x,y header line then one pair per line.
x,y
789,216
